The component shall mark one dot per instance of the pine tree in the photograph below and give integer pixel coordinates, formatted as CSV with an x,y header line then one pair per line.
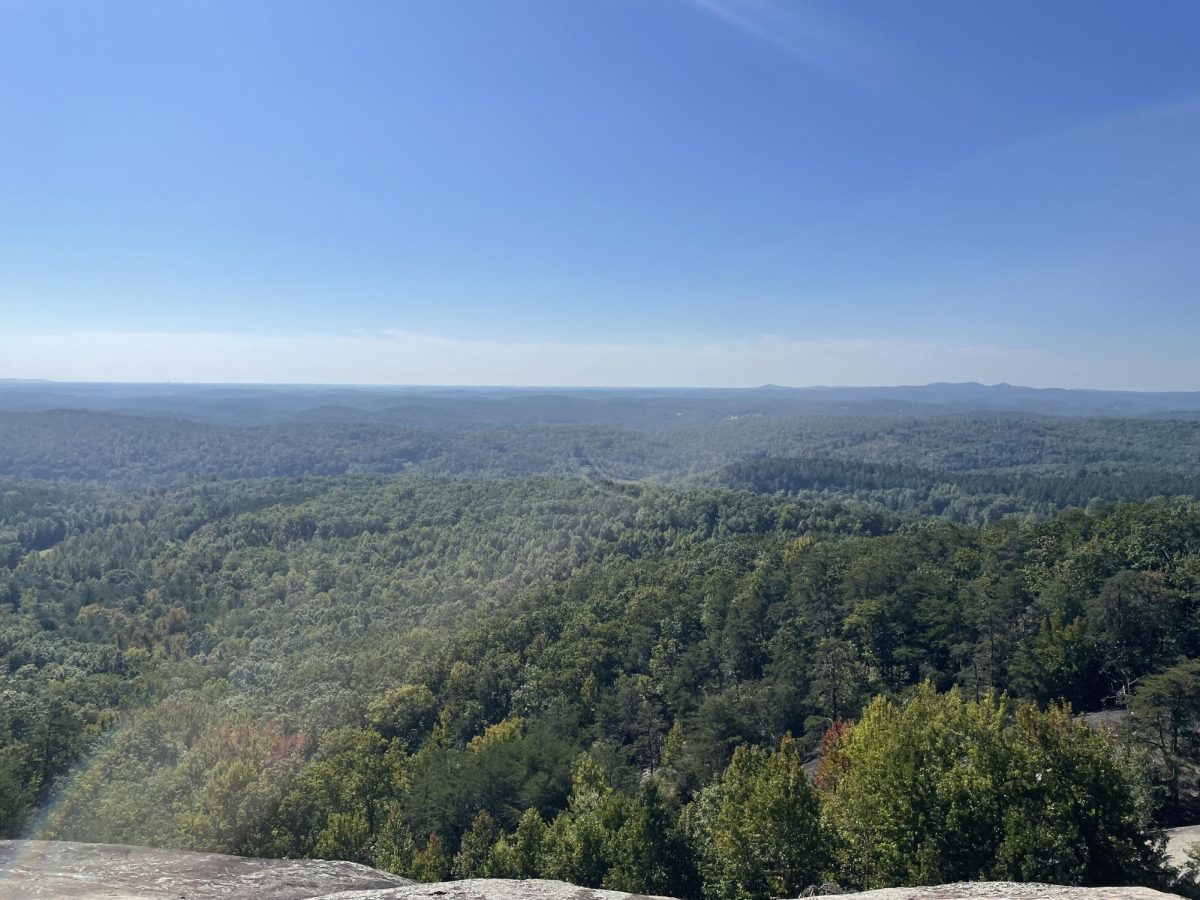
x,y
474,851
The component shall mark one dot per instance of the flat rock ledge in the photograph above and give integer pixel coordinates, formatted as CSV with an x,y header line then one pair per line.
x,y
491,889
499,889
57,870
60,870
1006,890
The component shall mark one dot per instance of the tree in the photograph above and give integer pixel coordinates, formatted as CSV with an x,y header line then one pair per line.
x,y
1074,810
431,863
475,850
345,836
1129,622
1165,717
407,712
518,855
342,796
17,789
575,847
758,828
649,854
939,789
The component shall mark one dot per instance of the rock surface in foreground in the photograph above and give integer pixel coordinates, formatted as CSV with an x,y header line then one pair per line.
x,y
52,870
498,889
491,889
1005,890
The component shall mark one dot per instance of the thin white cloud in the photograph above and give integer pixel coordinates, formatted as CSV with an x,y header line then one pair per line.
x,y
811,35
401,357
772,24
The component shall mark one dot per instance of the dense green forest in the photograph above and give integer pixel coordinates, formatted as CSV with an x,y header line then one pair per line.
x,y
967,467
608,653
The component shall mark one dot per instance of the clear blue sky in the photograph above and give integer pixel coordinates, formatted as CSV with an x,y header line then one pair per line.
x,y
601,191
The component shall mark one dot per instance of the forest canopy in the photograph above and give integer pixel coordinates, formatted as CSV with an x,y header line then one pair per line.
x,y
618,655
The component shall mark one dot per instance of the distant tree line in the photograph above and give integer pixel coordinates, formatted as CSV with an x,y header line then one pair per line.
x,y
971,468
971,496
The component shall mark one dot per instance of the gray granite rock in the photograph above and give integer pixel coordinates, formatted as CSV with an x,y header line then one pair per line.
x,y
57,870
51,870
1180,841
1004,890
490,889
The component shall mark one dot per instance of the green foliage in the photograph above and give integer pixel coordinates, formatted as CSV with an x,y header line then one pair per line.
x,y
649,853
972,493
345,836
407,712
431,863
758,829
528,843
576,845
407,671
1165,717
940,788
1130,623
967,467
474,856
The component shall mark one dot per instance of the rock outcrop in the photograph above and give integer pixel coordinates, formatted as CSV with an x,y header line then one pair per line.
x,y
490,889
52,870
58,870
1180,841
1005,890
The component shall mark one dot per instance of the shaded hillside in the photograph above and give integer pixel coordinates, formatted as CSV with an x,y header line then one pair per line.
x,y
961,495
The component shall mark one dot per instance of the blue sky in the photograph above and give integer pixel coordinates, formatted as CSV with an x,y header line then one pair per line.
x,y
722,192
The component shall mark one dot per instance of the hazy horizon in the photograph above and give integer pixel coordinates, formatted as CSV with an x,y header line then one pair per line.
x,y
417,388
399,358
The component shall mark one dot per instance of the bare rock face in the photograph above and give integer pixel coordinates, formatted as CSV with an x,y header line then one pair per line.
x,y
53,870
1004,890
58,870
1180,841
491,889
62,870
